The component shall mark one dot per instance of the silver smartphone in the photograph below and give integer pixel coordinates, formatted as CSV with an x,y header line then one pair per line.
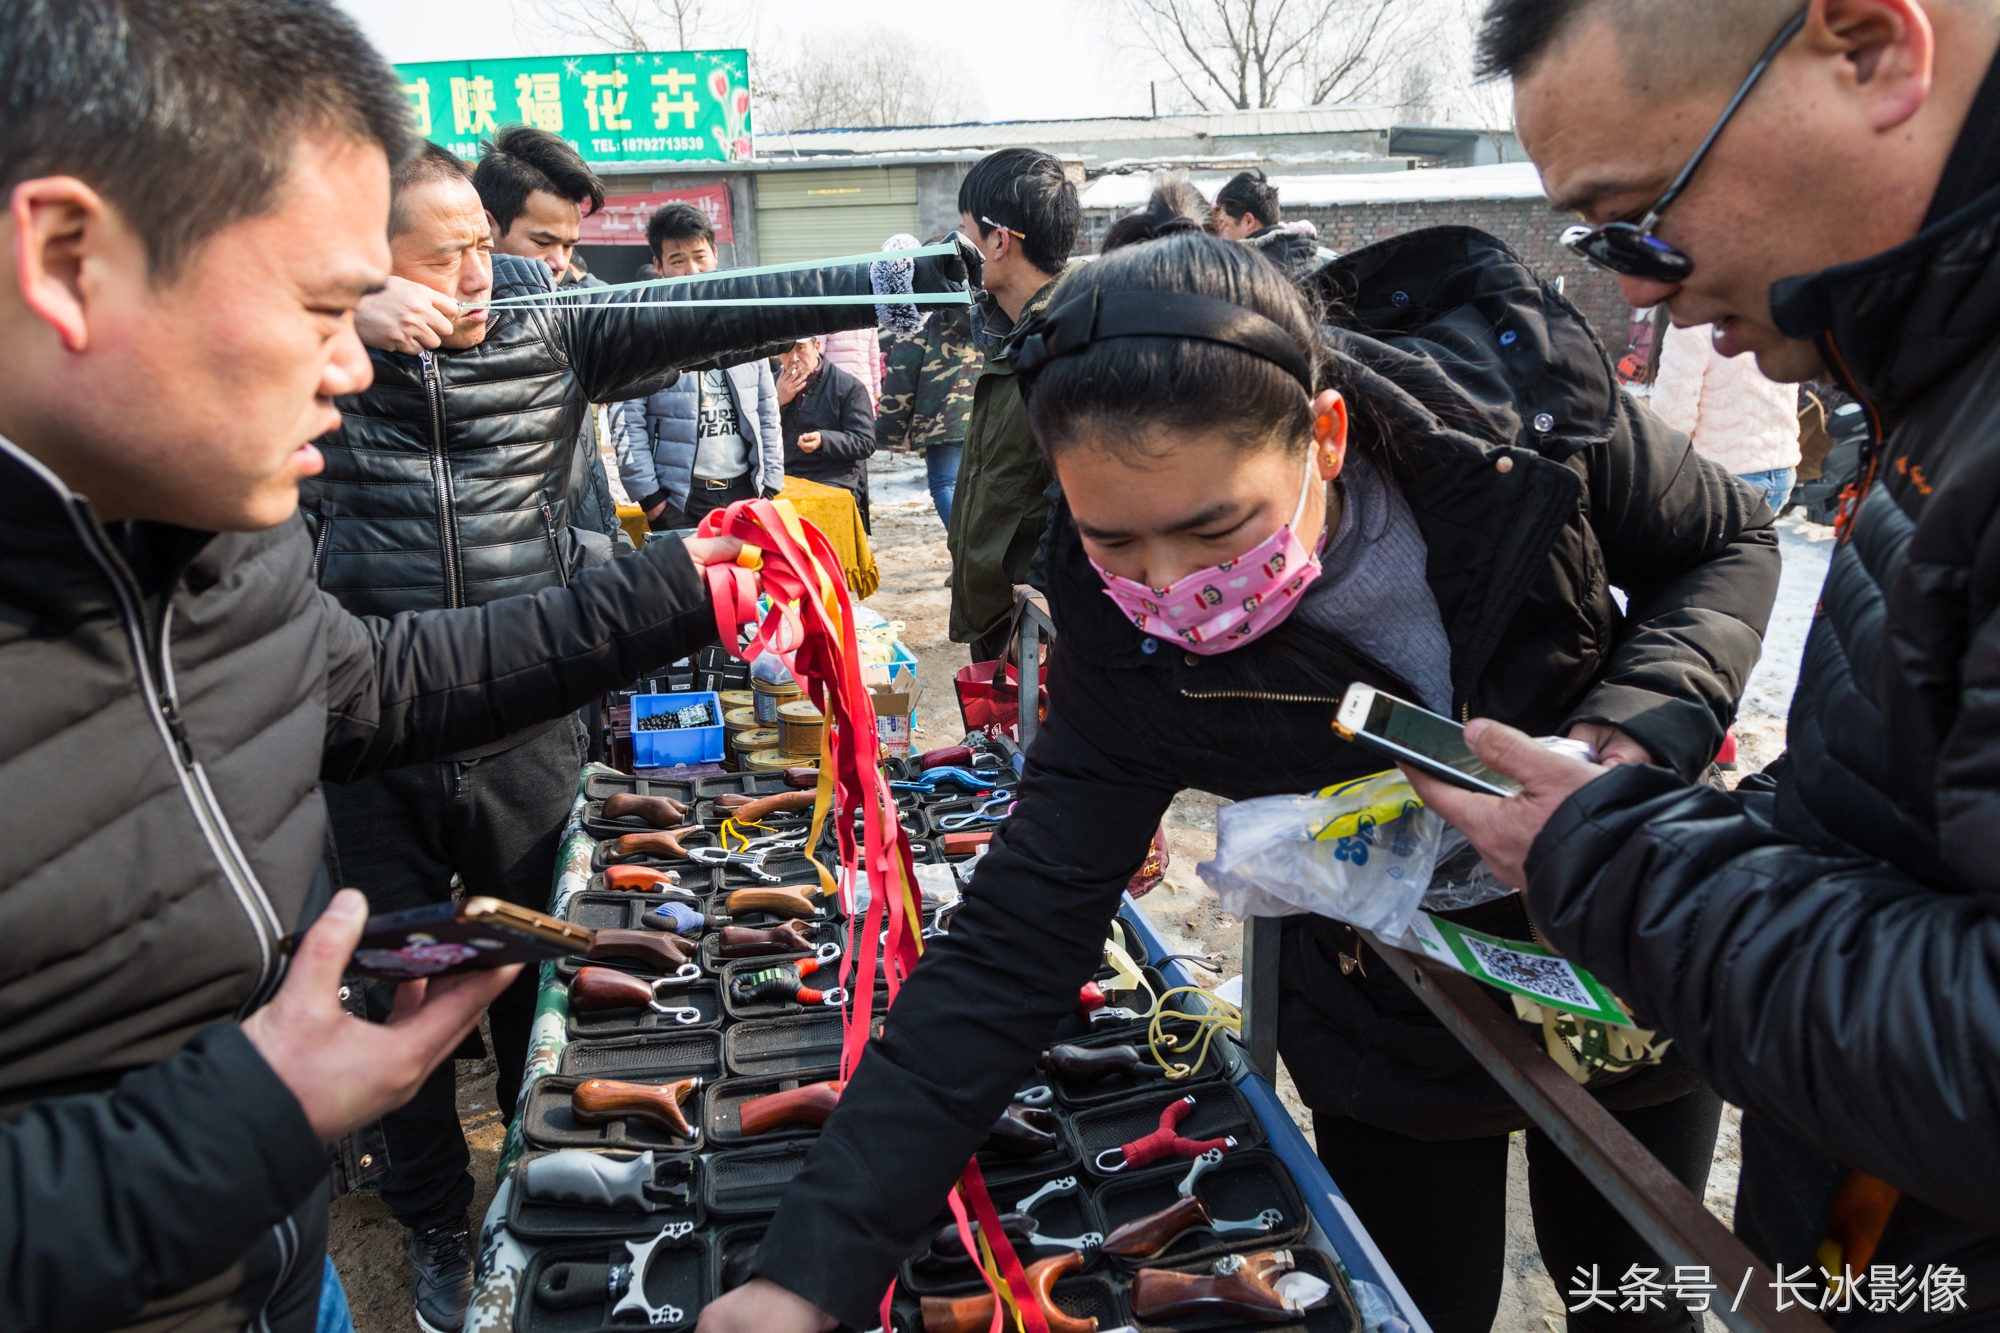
x,y
1409,734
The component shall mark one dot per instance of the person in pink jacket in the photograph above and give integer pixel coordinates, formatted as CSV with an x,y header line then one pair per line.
x,y
1737,419
859,353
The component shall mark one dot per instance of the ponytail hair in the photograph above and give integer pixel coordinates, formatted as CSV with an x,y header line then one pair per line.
x,y
1175,206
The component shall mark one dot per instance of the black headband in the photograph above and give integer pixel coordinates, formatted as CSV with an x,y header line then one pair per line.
x,y
1083,319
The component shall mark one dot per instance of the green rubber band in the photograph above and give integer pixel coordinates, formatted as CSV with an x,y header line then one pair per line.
x,y
725,275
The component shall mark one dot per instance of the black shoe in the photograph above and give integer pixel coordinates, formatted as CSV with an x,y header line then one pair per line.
x,y
441,1276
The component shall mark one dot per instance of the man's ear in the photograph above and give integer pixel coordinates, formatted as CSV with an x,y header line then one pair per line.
x,y
493,232
61,227
1889,47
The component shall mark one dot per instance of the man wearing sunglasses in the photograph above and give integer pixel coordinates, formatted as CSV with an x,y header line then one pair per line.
x,y
1824,943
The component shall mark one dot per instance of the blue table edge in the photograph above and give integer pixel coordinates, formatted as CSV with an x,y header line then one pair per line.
x,y
1335,1225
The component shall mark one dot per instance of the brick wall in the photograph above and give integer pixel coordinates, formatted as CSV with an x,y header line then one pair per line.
x,y
1525,224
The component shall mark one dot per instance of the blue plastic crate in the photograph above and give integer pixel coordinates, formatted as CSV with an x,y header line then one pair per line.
x,y
690,745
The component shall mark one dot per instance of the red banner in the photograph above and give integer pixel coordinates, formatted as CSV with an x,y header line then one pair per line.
x,y
623,219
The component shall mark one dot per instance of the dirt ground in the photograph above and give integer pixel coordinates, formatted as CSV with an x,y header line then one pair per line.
x,y
368,1247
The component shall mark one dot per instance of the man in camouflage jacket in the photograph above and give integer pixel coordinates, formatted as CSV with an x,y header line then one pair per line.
x,y
927,395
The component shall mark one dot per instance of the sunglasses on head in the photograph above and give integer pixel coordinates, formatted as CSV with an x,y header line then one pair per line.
x,y
1630,249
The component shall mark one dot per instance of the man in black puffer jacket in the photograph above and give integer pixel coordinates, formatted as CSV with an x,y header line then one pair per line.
x,y
1823,944
444,487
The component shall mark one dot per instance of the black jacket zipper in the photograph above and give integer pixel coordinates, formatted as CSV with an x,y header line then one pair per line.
x,y
320,547
163,704
555,547
441,478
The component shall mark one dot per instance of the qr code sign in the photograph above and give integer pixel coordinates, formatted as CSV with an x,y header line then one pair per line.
x,y
1551,978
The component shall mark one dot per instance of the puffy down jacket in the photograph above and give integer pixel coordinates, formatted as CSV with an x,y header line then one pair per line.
x,y
1824,944
446,482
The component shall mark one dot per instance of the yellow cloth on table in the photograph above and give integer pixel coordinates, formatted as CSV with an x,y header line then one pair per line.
x,y
833,511
633,520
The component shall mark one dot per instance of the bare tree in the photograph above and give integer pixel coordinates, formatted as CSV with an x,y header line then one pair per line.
x,y
623,25
871,78
1260,53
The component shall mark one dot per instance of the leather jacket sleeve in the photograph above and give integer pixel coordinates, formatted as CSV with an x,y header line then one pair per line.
x,y
622,342
1696,553
1857,1008
429,683
982,1002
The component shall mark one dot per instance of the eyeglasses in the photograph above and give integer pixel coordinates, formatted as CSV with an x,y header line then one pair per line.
x,y
1630,249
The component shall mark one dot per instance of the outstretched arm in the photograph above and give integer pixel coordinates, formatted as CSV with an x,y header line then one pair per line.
x,y
431,683
622,342
984,1000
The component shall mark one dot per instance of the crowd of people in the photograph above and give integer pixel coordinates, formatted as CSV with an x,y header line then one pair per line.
x,y
313,571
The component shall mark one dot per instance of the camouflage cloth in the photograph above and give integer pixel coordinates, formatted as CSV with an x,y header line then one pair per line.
x,y
927,390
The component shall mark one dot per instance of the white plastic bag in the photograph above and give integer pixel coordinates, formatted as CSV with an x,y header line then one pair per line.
x,y
1361,852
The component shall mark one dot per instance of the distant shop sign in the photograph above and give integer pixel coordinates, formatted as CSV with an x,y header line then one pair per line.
x,y
637,106
623,219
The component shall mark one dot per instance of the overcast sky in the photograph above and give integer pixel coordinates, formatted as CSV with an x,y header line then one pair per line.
x,y
1027,59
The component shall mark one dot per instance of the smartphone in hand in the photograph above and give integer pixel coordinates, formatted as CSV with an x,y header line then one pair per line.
x,y
1405,733
467,936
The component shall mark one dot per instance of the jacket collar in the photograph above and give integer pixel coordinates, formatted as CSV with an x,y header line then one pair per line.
x,y
1897,323
992,328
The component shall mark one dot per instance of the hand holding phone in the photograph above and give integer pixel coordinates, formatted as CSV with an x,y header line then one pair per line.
x,y
1408,734
473,935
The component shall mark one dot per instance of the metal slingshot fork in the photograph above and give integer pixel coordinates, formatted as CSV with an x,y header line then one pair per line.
x,y
750,856
1055,1189
1208,1161
659,1316
983,813
685,974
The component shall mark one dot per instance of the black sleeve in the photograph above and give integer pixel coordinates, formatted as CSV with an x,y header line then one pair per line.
x,y
1697,555
1852,1005
623,343
118,1198
980,1005
431,683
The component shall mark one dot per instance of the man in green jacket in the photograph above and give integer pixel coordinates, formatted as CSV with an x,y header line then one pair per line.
x,y
927,397
1024,214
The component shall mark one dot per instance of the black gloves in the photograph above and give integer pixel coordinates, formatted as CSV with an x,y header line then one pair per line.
x,y
951,273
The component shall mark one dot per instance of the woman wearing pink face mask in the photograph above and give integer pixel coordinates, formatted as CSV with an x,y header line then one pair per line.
x,y
1257,512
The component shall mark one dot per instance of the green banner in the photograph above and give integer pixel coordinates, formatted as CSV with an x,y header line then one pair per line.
x,y
638,106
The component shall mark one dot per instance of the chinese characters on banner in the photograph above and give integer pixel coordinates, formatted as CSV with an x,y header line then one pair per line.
x,y
643,106
1880,1289
623,219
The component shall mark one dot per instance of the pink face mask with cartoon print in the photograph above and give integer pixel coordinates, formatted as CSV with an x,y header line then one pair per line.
x,y
1227,605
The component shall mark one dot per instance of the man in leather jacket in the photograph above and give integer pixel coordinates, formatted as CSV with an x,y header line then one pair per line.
x,y
445,486
1824,943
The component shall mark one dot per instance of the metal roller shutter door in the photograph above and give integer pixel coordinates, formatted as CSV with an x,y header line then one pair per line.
x,y
818,214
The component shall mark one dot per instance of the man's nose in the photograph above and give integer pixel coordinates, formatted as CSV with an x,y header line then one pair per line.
x,y
348,370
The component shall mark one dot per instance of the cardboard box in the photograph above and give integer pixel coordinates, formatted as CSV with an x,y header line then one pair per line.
x,y
896,692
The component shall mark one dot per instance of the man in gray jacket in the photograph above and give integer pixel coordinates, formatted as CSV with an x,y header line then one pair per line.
x,y
198,196
714,436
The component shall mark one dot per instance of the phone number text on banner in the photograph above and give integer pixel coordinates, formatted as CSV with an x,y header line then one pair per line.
x,y
635,106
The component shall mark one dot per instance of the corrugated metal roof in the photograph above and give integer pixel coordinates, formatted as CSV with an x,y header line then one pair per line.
x,y
1513,180
1008,133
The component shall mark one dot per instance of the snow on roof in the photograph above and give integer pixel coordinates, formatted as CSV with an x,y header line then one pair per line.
x,y
1507,180
1344,119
